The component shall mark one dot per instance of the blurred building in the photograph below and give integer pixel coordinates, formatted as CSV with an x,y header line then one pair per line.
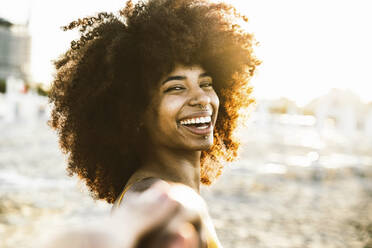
x,y
15,49
343,109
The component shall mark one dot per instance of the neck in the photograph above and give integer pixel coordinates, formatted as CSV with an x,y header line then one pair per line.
x,y
175,166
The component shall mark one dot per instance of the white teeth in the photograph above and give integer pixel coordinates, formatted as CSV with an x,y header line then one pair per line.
x,y
198,120
202,127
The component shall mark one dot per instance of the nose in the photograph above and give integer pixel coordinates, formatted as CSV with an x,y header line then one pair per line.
x,y
199,97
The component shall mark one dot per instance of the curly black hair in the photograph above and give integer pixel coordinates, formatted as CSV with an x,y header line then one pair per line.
x,y
100,90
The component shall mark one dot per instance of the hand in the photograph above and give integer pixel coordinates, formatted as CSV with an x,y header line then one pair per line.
x,y
169,216
163,216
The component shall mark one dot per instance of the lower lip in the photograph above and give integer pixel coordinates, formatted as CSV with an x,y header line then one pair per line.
x,y
198,131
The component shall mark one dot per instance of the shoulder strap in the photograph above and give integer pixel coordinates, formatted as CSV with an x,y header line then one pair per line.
x,y
135,178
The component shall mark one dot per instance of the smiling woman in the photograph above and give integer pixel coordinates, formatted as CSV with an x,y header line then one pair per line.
x,y
152,94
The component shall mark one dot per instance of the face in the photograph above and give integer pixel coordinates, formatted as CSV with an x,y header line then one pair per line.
x,y
183,110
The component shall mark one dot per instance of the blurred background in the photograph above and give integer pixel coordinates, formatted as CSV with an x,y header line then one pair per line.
x,y
304,174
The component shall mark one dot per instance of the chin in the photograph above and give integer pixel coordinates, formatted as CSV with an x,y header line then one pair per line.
x,y
203,145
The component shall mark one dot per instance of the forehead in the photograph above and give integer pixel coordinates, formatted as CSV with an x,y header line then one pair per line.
x,y
193,73
186,70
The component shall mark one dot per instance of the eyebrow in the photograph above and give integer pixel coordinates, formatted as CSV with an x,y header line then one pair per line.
x,y
205,74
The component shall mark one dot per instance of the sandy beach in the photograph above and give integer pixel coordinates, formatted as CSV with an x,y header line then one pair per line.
x,y
290,188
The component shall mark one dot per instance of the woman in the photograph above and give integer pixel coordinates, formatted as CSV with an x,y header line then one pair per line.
x,y
152,94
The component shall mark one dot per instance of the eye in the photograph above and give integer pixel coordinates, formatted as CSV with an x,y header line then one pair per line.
x,y
174,88
206,84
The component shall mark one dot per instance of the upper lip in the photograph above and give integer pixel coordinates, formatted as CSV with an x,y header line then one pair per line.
x,y
197,114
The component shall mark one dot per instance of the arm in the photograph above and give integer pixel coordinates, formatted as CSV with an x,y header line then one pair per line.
x,y
150,217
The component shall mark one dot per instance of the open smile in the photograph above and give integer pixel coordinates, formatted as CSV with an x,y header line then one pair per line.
x,y
198,125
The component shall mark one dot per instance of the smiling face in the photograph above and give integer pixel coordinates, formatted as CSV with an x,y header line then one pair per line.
x,y
183,110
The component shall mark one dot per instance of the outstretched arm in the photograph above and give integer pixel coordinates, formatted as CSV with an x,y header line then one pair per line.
x,y
153,218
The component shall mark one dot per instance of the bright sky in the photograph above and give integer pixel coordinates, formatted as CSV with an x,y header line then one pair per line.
x,y
307,47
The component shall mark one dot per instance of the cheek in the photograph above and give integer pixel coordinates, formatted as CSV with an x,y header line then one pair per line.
x,y
169,110
215,101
